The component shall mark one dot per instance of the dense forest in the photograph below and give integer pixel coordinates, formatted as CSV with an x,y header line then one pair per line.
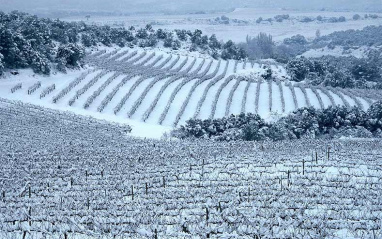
x,y
40,43
333,122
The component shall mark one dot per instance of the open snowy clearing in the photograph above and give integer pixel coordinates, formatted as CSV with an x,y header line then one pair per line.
x,y
238,31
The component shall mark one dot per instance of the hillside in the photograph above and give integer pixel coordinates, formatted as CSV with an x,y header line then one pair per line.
x,y
70,177
159,88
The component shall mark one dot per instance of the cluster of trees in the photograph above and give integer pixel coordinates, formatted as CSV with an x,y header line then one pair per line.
x,y
368,36
303,123
39,43
263,46
259,47
27,41
345,72
319,18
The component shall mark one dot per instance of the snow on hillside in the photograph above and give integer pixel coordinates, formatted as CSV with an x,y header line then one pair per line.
x,y
154,90
338,51
238,31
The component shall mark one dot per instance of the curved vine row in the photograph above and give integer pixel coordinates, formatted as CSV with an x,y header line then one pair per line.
x,y
16,87
152,64
151,56
47,91
303,89
230,96
269,83
71,85
133,87
217,95
111,95
172,97
278,82
235,67
187,70
172,64
167,60
197,83
138,102
327,93
195,72
352,96
291,88
146,115
96,93
245,97
257,98
210,84
180,66
342,97
87,86
318,96
361,95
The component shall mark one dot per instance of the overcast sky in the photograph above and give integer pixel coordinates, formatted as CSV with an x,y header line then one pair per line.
x,y
129,6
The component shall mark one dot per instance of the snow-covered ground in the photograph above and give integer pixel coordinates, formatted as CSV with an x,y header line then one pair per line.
x,y
359,52
65,176
160,103
238,32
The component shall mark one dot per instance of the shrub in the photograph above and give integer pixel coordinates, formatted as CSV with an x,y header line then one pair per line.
x,y
356,17
70,55
333,122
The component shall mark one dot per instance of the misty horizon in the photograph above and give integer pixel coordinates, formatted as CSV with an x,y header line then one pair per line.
x,y
181,6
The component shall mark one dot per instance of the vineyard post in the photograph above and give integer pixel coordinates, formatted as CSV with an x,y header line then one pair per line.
x,y
164,182
207,216
30,215
156,233
146,188
316,158
132,192
288,178
328,152
29,192
303,166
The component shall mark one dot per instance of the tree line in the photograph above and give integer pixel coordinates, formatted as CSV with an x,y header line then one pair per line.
x,y
333,122
42,43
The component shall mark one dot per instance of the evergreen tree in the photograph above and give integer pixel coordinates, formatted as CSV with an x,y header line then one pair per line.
x,y
70,55
1,64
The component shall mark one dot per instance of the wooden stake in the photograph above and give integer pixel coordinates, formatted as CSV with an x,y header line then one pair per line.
x,y
303,166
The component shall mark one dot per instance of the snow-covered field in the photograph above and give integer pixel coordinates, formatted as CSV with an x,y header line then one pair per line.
x,y
238,31
124,87
64,176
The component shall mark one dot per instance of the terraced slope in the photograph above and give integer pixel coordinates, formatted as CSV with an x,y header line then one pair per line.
x,y
168,89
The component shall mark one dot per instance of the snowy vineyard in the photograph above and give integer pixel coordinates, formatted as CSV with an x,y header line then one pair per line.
x,y
168,89
81,178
